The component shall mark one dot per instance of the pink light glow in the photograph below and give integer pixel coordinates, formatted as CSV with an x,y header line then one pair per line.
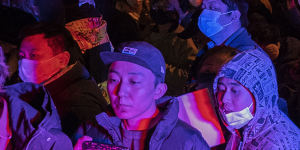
x,y
196,109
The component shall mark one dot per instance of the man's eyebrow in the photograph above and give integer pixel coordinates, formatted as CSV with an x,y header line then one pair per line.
x,y
113,71
130,73
234,84
231,83
136,73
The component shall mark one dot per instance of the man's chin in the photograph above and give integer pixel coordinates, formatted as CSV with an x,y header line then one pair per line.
x,y
123,114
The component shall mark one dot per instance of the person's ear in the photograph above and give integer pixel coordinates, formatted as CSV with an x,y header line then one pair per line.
x,y
64,59
235,15
160,90
278,44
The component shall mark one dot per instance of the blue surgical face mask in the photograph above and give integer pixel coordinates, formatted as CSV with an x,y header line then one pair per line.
x,y
208,22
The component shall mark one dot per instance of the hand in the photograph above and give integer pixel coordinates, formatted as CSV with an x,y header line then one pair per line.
x,y
80,141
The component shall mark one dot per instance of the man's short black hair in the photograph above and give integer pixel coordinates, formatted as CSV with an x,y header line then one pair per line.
x,y
240,5
58,37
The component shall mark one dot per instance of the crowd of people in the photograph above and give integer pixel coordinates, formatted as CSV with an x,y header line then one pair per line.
x,y
89,74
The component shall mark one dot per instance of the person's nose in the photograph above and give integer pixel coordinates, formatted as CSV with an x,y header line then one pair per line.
x,y
226,98
122,89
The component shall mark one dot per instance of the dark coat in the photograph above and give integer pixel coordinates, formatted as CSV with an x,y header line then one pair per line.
x,y
76,97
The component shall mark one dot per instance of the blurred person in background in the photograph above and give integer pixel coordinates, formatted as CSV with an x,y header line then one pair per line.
x,y
88,29
223,22
49,56
28,117
267,36
178,53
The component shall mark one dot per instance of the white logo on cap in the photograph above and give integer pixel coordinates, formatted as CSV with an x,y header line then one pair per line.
x,y
129,50
162,69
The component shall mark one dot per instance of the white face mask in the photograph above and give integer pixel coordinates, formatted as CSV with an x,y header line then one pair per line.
x,y
208,22
38,71
238,119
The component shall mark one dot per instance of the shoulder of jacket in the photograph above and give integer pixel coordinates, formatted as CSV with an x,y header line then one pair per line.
x,y
186,130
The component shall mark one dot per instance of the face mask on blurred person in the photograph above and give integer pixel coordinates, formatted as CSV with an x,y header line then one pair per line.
x,y
238,119
38,71
208,22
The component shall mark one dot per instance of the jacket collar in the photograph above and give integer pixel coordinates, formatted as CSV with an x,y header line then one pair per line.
x,y
78,71
168,107
111,124
241,40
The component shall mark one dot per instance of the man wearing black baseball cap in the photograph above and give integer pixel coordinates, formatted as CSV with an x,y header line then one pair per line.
x,y
142,118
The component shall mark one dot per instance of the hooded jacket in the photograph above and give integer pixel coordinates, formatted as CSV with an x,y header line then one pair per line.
x,y
269,128
169,134
34,121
